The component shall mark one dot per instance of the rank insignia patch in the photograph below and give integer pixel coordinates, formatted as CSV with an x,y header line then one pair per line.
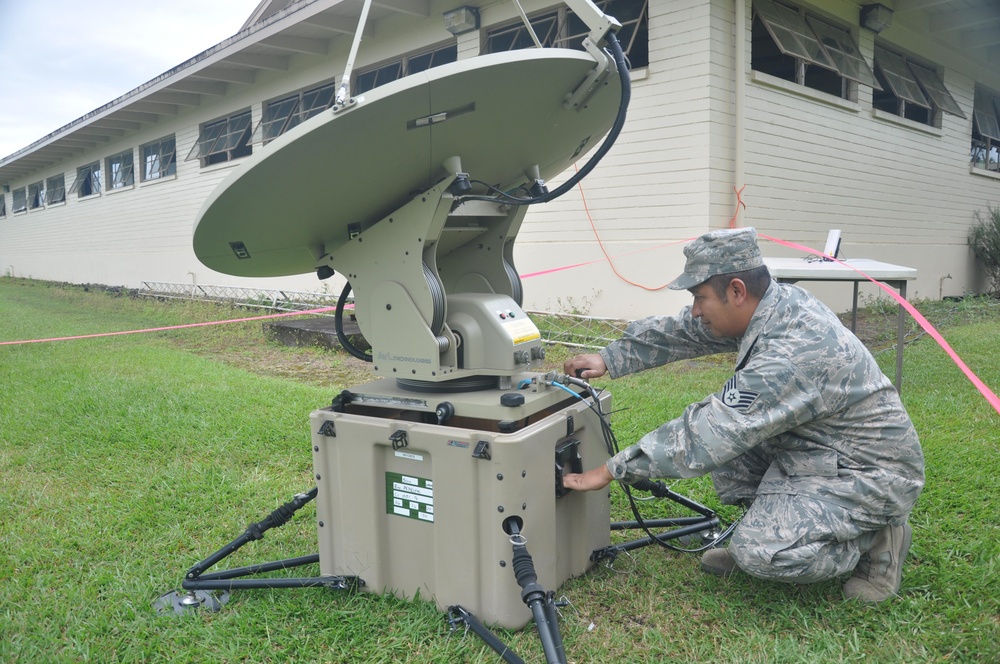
x,y
736,398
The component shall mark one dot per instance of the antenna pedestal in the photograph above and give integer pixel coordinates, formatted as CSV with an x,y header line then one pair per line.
x,y
435,291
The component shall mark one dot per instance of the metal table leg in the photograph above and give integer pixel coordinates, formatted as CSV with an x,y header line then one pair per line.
x,y
901,286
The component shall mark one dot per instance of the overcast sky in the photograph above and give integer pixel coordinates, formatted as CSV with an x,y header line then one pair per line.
x,y
60,59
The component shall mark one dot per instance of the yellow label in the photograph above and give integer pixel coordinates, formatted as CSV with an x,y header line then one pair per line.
x,y
522,331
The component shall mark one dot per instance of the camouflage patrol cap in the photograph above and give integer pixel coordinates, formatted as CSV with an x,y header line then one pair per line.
x,y
719,252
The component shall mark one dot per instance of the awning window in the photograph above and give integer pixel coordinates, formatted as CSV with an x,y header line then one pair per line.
x,y
792,35
897,75
985,116
934,88
840,47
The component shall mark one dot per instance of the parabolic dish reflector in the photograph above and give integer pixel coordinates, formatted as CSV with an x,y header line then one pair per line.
x,y
501,114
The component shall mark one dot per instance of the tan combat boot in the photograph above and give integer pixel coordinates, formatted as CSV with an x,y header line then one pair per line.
x,y
880,570
718,562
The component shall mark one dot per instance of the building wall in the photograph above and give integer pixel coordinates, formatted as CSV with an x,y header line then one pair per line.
x,y
653,191
900,192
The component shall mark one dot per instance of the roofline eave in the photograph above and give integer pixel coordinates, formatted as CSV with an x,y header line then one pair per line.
x,y
247,37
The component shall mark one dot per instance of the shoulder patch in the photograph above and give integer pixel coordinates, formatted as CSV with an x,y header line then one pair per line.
x,y
736,398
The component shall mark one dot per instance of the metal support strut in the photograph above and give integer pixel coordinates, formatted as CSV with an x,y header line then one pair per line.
x,y
200,585
458,615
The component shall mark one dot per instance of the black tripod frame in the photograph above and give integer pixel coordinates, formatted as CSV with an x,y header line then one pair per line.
x,y
203,589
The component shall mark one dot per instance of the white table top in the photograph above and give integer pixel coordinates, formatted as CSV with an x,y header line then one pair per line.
x,y
817,270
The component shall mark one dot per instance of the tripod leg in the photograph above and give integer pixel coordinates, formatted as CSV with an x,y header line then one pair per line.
x,y
459,615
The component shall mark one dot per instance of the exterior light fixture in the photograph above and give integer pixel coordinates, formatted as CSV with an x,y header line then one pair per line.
x,y
461,20
876,17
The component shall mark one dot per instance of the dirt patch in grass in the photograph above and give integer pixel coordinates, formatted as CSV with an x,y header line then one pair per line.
x,y
325,368
313,366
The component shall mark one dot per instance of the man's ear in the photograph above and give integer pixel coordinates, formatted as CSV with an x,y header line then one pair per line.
x,y
738,290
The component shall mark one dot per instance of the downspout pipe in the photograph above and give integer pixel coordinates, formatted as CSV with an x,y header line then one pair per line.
x,y
739,94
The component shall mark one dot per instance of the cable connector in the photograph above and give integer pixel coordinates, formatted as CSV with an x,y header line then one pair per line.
x,y
565,379
539,382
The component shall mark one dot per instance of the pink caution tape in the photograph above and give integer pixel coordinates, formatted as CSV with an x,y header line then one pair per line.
x,y
170,327
917,316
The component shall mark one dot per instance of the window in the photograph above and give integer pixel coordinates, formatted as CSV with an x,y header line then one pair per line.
x,y
516,35
36,195
20,201
55,189
282,114
88,180
561,28
378,76
911,90
373,77
795,46
120,170
3,205
223,140
986,130
158,159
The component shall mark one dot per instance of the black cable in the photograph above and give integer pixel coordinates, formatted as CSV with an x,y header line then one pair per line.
x,y
536,599
338,323
622,66
611,441
255,531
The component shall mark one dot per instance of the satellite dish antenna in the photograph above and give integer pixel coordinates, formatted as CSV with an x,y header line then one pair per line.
x,y
373,190
415,193
502,115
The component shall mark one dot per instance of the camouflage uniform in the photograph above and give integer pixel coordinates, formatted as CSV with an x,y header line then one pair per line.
x,y
808,431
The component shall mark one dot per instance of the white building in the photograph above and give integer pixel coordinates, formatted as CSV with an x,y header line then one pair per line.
x,y
879,120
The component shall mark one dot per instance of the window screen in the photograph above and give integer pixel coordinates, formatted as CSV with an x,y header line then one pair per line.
x,y
275,120
55,189
159,159
19,200
207,139
791,33
88,180
934,87
564,29
414,63
36,195
119,170
985,117
840,47
316,100
897,75
223,139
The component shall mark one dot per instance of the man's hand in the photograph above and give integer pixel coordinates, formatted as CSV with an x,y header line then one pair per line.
x,y
588,366
592,480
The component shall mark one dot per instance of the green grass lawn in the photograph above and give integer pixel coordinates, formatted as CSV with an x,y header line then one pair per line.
x,y
125,460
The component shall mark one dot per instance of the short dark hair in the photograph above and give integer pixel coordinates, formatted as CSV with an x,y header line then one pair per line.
x,y
757,280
